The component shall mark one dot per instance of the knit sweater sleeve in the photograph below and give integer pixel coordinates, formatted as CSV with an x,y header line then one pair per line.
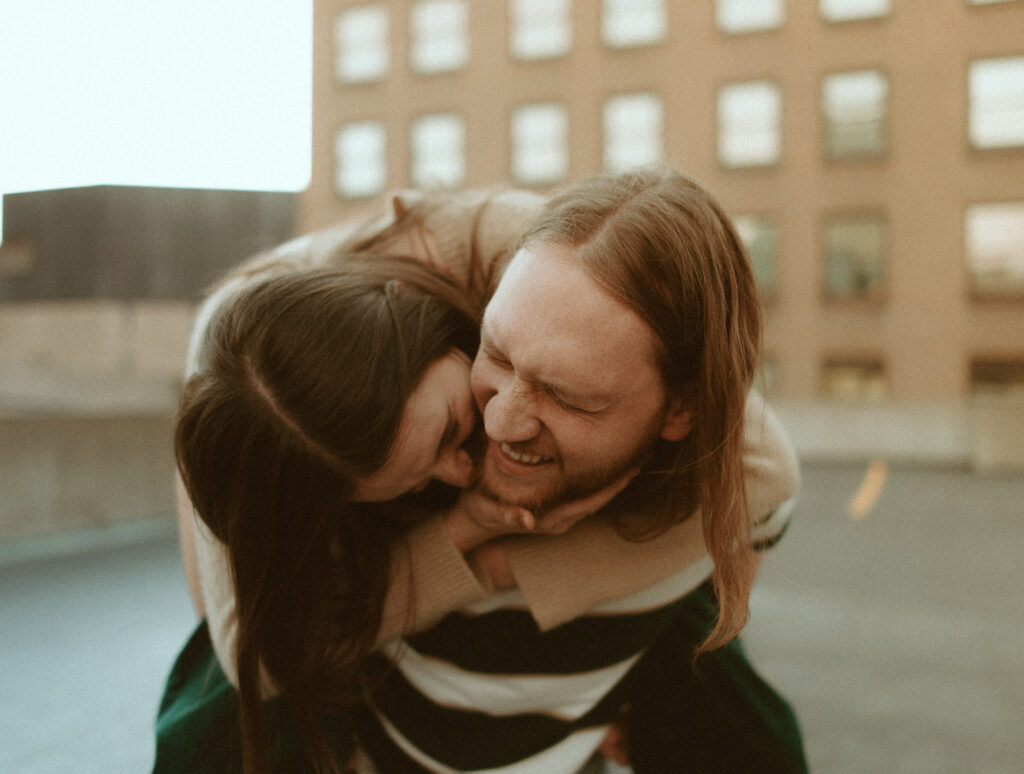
x,y
562,577
429,577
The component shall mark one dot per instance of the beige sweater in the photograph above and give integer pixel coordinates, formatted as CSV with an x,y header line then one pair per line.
x,y
560,577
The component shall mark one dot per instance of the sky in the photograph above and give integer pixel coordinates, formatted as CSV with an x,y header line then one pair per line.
x,y
189,93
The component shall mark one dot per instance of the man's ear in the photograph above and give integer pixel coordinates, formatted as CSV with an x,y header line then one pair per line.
x,y
679,421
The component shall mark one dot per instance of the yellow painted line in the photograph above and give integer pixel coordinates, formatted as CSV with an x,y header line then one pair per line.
x,y
867,495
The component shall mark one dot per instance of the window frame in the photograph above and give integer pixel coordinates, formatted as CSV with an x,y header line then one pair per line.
x,y
875,295
883,123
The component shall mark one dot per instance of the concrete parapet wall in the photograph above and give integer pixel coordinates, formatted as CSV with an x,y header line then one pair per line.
x,y
985,433
88,391
72,339
65,473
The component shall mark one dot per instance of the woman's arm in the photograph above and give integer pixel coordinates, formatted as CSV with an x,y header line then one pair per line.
x,y
430,575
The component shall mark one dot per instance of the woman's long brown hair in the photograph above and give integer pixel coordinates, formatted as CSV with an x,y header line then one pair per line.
x,y
303,381
660,244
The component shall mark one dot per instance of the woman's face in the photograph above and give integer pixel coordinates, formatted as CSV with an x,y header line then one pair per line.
x,y
438,419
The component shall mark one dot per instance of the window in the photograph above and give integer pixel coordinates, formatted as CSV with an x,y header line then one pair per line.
x,y
854,379
361,44
359,159
629,23
994,234
749,116
848,10
854,105
540,144
439,151
736,16
996,88
760,235
539,29
855,257
633,132
440,35
997,377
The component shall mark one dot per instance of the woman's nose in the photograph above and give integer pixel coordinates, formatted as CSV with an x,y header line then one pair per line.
x,y
455,468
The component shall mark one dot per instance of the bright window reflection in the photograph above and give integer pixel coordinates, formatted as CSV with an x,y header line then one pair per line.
x,y
996,88
627,23
439,151
539,29
440,35
633,132
848,10
540,144
749,117
735,16
359,158
362,52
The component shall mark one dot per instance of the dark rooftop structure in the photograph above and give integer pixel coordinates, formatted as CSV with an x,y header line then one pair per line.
x,y
132,242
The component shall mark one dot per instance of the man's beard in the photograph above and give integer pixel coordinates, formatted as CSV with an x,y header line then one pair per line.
x,y
572,488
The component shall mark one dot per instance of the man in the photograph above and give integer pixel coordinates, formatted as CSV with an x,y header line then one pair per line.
x,y
618,348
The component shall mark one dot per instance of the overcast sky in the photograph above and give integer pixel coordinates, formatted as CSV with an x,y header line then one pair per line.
x,y
193,93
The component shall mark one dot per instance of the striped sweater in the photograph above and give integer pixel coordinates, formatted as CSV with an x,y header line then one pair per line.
x,y
487,690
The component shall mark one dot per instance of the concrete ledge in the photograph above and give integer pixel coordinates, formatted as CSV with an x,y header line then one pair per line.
x,y
61,473
985,433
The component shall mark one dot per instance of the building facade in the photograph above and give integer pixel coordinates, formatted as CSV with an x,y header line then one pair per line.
x,y
871,153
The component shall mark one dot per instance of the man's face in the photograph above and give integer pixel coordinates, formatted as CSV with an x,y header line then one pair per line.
x,y
566,381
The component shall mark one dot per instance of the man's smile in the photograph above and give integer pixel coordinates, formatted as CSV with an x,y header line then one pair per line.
x,y
522,457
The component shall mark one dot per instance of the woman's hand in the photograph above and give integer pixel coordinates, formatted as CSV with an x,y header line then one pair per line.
x,y
475,519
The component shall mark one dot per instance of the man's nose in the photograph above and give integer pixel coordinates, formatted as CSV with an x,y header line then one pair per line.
x,y
510,416
455,468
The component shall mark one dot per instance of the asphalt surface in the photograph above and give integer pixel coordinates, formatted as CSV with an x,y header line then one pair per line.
x,y
898,635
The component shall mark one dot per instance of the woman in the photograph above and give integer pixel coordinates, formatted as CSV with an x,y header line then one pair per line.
x,y
315,387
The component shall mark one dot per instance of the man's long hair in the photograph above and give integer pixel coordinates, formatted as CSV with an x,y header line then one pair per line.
x,y
660,244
